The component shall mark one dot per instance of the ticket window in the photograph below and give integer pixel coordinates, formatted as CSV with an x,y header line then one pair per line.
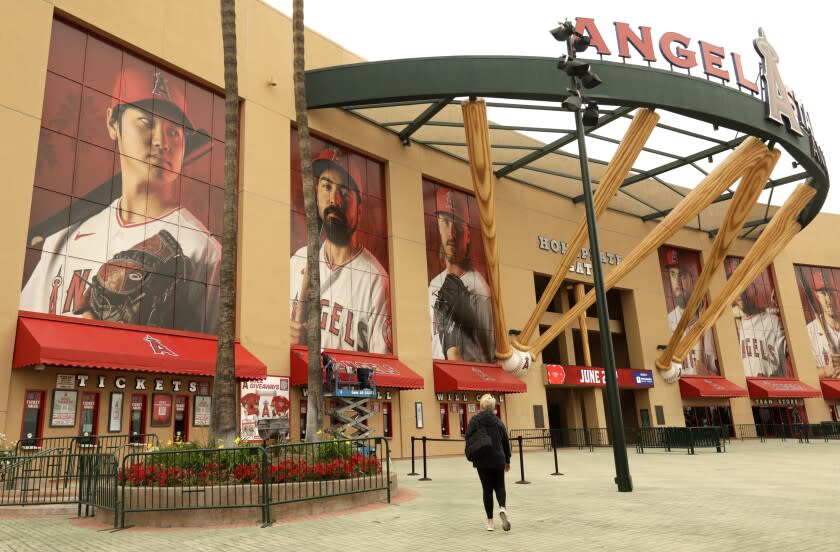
x,y
89,417
32,427
182,417
462,417
137,425
444,419
387,423
498,411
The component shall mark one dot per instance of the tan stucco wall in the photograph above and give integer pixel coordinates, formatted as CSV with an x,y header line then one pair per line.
x,y
186,35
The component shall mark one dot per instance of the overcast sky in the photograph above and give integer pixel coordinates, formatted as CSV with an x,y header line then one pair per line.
x,y
799,32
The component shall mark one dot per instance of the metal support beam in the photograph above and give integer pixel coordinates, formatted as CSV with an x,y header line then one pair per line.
x,y
424,117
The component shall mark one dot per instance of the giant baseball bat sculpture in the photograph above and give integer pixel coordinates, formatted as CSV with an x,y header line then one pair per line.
x,y
481,167
736,164
628,150
742,203
781,229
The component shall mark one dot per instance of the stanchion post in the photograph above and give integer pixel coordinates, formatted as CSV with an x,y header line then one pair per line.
x,y
412,472
554,448
521,464
424,478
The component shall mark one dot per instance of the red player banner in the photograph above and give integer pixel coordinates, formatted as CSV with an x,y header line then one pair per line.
x,y
821,306
353,256
128,188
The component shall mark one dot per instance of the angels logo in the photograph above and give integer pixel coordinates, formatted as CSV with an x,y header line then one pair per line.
x,y
158,347
482,374
450,203
160,89
386,334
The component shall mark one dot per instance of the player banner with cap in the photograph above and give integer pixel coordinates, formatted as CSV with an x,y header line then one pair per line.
x,y
821,306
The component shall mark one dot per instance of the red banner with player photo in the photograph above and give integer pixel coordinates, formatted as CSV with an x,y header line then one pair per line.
x,y
459,293
680,269
353,225
761,333
127,201
821,305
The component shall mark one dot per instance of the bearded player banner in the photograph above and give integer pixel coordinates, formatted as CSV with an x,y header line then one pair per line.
x,y
128,193
459,295
821,305
680,270
259,400
761,334
353,257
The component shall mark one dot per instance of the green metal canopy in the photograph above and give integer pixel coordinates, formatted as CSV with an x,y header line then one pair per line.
x,y
417,100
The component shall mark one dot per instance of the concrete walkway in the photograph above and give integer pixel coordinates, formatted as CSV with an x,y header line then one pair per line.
x,y
757,496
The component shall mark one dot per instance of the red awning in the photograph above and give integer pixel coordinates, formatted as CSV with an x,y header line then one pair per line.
x,y
455,376
63,341
780,388
830,388
709,386
389,373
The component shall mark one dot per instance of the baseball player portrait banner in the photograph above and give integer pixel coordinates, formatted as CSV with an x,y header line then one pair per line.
x,y
680,269
761,333
459,295
261,399
127,201
819,295
353,257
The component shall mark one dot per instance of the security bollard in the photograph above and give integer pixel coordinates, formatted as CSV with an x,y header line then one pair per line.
x,y
554,448
424,478
521,463
412,472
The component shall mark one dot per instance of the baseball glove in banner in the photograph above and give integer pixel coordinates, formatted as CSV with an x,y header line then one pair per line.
x,y
137,286
454,312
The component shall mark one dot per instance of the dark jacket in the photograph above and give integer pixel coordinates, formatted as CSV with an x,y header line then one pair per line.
x,y
498,434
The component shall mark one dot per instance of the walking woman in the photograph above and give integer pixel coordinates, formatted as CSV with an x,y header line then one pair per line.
x,y
492,465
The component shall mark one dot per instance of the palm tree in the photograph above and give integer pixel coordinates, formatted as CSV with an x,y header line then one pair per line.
x,y
315,388
223,417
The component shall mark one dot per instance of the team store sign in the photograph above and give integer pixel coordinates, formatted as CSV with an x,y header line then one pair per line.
x,y
137,384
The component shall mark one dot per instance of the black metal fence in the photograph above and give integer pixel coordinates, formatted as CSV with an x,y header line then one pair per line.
x,y
669,438
251,477
85,444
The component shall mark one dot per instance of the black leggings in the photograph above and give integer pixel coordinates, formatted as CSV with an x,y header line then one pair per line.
x,y
492,479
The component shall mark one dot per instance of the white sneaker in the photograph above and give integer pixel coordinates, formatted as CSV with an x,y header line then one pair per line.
x,y
490,525
505,522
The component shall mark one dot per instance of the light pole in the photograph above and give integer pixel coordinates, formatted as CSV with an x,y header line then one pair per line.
x,y
580,71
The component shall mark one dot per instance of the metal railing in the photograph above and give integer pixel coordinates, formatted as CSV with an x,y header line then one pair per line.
x,y
251,477
54,477
669,438
85,444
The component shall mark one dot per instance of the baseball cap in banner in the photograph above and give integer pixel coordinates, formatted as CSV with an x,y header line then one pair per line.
x,y
451,202
336,159
149,88
670,257
822,280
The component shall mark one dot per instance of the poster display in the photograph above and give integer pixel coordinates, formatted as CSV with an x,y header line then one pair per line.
x,y
355,279
459,294
115,411
262,399
201,410
130,165
680,270
63,408
161,410
821,305
761,334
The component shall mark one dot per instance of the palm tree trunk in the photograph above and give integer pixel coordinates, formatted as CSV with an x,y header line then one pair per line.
x,y
223,425
315,388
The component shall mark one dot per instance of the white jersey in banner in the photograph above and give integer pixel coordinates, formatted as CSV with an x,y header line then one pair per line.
x,y
763,345
477,344
71,257
355,301
262,399
702,357
822,345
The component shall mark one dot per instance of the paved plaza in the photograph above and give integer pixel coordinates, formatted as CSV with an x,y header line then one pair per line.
x,y
756,496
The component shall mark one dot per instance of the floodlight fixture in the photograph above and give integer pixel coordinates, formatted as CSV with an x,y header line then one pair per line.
x,y
590,80
573,101
576,68
563,32
581,42
562,61
590,114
